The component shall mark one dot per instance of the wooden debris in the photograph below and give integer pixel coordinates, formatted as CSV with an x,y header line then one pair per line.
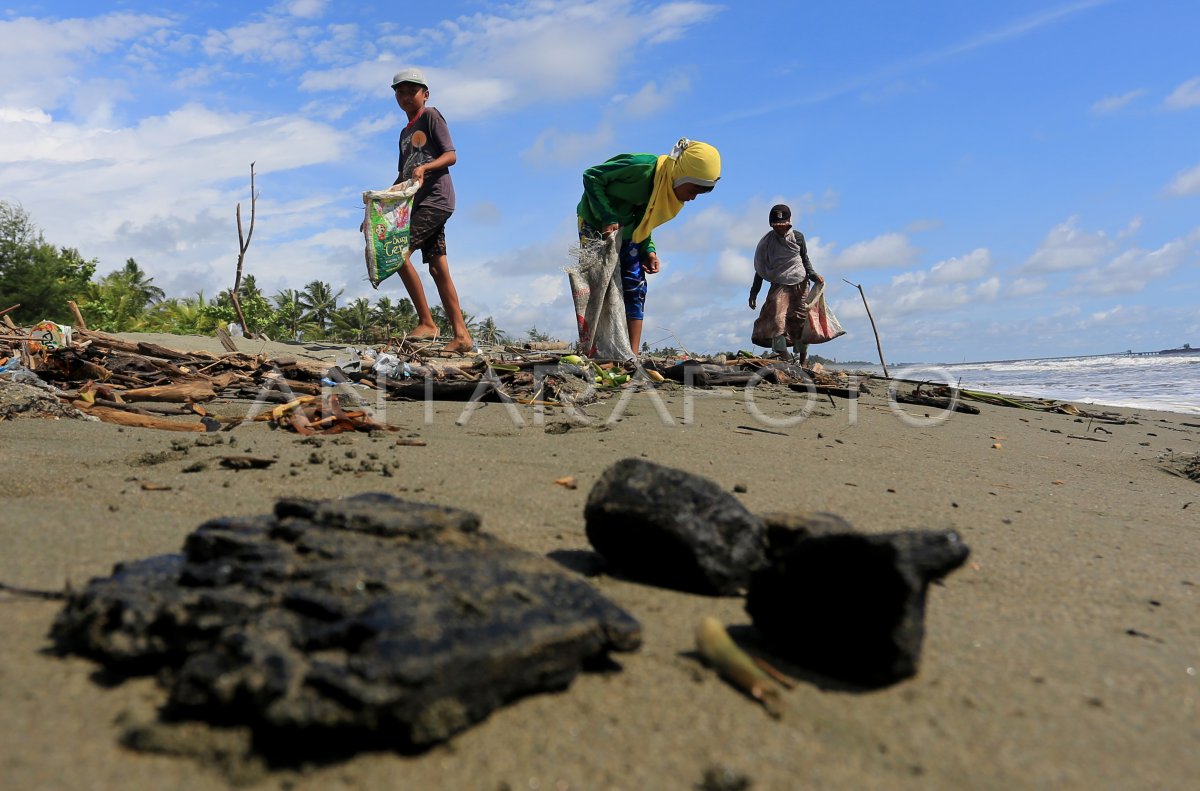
x,y
226,341
322,415
180,392
123,418
937,402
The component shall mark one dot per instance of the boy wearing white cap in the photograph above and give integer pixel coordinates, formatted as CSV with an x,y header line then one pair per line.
x,y
426,154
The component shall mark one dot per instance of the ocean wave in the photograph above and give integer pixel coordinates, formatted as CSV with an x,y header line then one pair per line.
x,y
1163,382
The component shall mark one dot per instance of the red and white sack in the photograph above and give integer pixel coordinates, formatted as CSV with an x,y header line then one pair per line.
x,y
820,325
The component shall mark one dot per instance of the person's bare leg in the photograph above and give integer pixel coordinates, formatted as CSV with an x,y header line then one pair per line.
x,y
439,269
801,353
426,327
635,335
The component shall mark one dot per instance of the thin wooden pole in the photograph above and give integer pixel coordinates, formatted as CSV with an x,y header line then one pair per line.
x,y
878,345
243,245
80,324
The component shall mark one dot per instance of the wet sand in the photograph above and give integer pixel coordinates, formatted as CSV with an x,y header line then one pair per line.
x,y
1065,654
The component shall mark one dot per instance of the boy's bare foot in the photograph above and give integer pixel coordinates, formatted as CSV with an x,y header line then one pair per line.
x,y
423,332
460,346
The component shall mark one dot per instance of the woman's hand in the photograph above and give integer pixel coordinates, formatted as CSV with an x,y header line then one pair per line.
x,y
753,301
612,228
651,263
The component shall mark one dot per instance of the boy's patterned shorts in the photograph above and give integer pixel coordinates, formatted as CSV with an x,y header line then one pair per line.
x,y
427,232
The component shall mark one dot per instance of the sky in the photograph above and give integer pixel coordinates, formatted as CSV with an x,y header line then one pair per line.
x,y
1003,180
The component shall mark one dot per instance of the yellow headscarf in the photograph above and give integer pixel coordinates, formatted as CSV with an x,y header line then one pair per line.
x,y
690,162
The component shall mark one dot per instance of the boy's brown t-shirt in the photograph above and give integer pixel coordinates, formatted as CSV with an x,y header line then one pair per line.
x,y
425,139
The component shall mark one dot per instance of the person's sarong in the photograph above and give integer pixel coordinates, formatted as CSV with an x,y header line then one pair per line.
x,y
782,314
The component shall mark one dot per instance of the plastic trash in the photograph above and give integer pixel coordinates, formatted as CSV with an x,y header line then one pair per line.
x,y
49,336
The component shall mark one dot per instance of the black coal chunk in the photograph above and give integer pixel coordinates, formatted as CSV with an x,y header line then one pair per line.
x,y
848,605
369,615
668,527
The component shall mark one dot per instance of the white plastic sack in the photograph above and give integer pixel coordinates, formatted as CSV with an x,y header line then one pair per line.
x,y
820,325
599,307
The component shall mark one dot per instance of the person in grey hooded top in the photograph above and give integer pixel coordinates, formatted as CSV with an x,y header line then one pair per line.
x,y
781,259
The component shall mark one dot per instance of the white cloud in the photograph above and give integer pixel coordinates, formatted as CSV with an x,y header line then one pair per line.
x,y
889,250
735,267
41,60
971,266
168,186
1185,96
1112,104
541,51
306,9
1130,271
270,40
1186,182
567,148
653,98
1066,247
988,289
670,21
1025,287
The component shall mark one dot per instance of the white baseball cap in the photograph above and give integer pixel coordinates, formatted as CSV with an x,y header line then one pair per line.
x,y
410,75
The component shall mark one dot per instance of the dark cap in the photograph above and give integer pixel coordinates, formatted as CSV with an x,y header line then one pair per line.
x,y
780,214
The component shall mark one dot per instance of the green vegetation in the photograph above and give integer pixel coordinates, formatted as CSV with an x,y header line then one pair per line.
x,y
43,279
38,276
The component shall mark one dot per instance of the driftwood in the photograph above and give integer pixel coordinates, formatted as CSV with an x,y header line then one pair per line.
x,y
179,392
243,245
226,341
80,324
124,418
937,402
826,390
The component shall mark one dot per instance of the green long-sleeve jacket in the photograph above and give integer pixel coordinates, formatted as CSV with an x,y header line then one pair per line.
x,y
618,190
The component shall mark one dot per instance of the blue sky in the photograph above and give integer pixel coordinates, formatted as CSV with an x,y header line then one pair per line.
x,y
1004,180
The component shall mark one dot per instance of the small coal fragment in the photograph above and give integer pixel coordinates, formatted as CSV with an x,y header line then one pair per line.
x,y
851,605
246,462
368,621
668,527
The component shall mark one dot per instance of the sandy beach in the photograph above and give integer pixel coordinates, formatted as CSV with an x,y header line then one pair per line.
x,y
1065,654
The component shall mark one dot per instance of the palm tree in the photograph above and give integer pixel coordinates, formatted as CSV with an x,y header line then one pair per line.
x,y
181,316
395,317
249,289
289,315
488,333
353,322
319,302
133,278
